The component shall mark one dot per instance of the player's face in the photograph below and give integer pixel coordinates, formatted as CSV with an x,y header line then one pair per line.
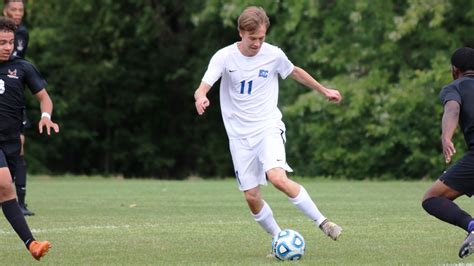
x,y
15,11
6,45
252,41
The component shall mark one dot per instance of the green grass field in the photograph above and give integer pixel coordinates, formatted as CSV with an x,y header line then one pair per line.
x,y
93,221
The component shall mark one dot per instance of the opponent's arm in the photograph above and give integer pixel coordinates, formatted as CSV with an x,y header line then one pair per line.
x,y
46,106
202,102
306,79
449,123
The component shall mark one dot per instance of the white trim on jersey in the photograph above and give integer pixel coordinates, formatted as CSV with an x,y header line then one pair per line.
x,y
249,88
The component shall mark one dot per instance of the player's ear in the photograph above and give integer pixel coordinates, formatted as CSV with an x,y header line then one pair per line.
x,y
455,72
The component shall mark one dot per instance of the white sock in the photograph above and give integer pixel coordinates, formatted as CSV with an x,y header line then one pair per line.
x,y
304,202
266,220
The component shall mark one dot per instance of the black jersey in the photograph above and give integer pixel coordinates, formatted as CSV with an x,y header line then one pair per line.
x,y
21,41
462,91
14,75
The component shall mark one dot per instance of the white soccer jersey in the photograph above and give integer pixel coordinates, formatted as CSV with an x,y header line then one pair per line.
x,y
249,88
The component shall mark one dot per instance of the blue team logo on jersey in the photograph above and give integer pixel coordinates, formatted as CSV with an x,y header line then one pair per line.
x,y
263,73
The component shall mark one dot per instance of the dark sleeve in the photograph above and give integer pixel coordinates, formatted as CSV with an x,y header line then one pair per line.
x,y
450,93
33,78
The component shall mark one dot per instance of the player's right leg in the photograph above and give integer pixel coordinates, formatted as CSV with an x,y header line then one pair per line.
x,y
439,199
262,214
10,207
249,175
15,217
261,211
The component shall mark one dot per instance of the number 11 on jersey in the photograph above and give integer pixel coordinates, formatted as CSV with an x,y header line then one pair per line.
x,y
242,87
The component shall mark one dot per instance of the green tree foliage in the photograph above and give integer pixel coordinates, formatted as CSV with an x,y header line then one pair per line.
x,y
389,59
119,75
122,75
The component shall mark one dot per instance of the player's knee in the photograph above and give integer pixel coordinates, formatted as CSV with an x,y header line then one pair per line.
x,y
432,204
427,196
6,191
425,203
277,177
3,186
281,182
253,197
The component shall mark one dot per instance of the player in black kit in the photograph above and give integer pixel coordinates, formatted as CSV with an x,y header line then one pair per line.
x,y
15,9
15,73
458,101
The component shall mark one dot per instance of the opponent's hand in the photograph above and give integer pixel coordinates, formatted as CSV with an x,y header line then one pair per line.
x,y
333,95
201,104
46,122
448,150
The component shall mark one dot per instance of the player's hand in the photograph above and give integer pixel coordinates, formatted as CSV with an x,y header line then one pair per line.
x,y
448,149
333,96
201,104
46,122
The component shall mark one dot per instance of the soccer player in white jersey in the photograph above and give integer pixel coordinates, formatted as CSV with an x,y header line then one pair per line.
x,y
249,71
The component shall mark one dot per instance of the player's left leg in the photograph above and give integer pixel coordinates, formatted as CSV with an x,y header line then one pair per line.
x,y
273,158
20,179
298,195
250,176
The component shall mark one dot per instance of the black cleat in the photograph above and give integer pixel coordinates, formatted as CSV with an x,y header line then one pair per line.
x,y
25,211
467,247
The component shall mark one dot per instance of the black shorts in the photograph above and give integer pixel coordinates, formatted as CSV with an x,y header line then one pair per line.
x,y
9,154
460,176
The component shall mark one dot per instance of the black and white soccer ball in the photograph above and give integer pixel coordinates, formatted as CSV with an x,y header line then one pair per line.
x,y
288,245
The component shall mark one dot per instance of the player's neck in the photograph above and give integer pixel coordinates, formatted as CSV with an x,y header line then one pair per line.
x,y
469,73
243,51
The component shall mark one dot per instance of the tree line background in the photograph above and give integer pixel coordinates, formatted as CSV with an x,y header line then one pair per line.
x,y
122,76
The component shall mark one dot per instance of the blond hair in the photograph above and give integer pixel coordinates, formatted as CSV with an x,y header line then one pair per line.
x,y
252,18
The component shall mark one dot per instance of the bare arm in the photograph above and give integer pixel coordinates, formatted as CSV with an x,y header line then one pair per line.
x,y
200,96
306,79
449,124
46,106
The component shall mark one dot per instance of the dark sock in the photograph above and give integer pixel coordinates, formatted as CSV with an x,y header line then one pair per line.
x,y
15,217
20,180
20,194
446,210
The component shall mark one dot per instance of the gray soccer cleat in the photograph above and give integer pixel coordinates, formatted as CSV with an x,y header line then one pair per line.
x,y
467,247
331,229
25,210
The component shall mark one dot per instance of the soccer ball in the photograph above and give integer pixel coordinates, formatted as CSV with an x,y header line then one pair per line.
x,y
288,245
